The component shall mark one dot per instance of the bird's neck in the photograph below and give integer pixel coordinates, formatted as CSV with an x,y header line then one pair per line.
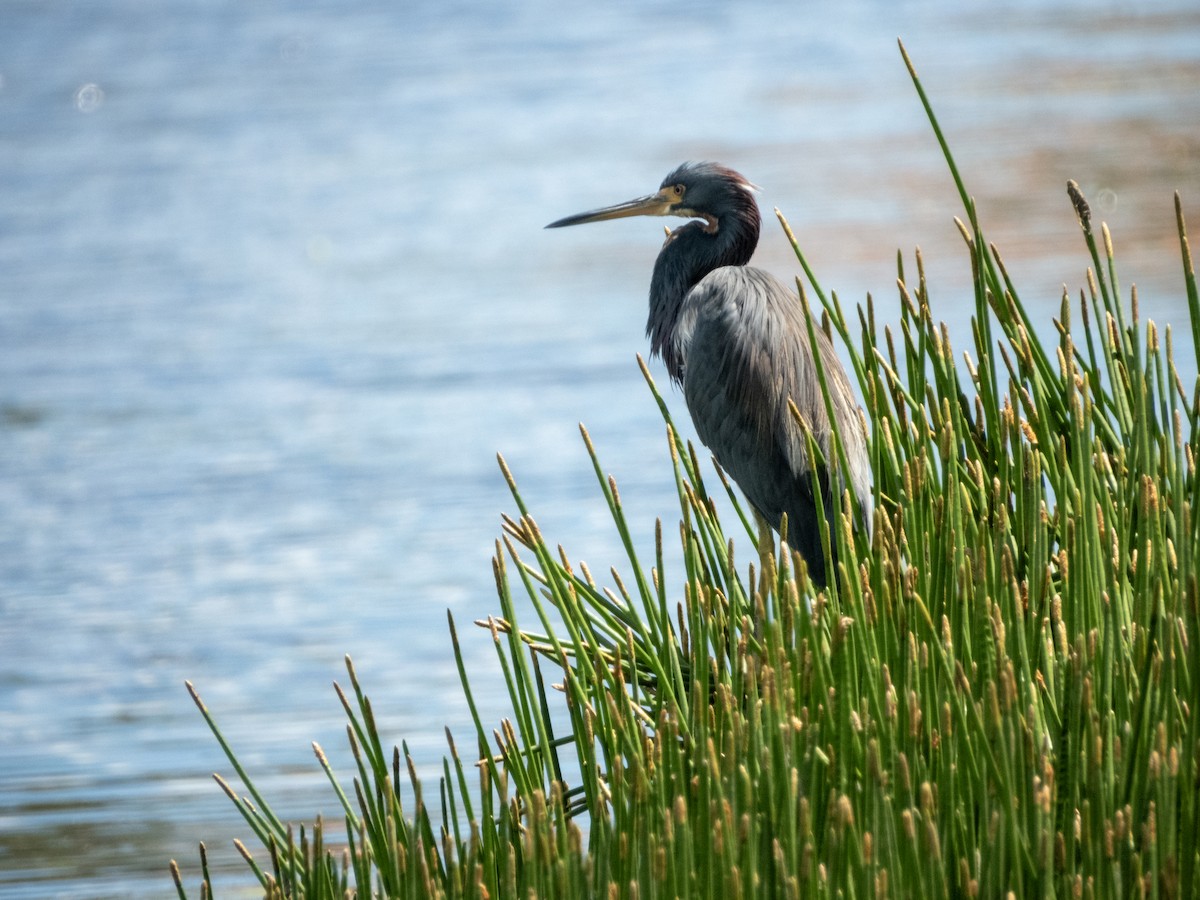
x,y
691,252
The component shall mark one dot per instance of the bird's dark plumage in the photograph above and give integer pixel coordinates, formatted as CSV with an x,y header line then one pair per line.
x,y
736,341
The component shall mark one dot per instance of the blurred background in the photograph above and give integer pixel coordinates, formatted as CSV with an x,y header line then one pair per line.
x,y
274,290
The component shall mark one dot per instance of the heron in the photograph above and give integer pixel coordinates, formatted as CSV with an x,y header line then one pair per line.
x,y
737,342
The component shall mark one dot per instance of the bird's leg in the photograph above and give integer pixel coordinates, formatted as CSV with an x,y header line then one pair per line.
x,y
766,548
768,573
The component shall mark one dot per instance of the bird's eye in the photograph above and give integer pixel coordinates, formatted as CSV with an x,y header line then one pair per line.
x,y
677,190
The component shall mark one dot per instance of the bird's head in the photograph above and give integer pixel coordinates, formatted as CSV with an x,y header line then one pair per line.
x,y
703,190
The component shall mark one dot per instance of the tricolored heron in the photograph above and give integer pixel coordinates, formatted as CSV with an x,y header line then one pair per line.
x,y
736,341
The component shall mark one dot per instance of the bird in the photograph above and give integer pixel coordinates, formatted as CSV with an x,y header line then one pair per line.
x,y
737,342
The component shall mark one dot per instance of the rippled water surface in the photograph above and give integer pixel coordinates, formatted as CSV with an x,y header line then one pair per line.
x,y
274,290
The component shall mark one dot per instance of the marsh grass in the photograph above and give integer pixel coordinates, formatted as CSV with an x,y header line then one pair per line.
x,y
994,697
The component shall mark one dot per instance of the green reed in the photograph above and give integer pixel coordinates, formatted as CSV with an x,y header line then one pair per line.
x,y
994,697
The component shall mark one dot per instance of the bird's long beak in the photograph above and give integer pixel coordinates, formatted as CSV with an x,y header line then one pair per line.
x,y
654,205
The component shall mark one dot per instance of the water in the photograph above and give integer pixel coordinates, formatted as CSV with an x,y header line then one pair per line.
x,y
274,290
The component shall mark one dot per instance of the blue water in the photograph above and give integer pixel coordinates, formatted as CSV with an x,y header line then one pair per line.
x,y
274,290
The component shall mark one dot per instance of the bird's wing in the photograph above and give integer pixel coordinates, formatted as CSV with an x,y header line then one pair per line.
x,y
747,352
